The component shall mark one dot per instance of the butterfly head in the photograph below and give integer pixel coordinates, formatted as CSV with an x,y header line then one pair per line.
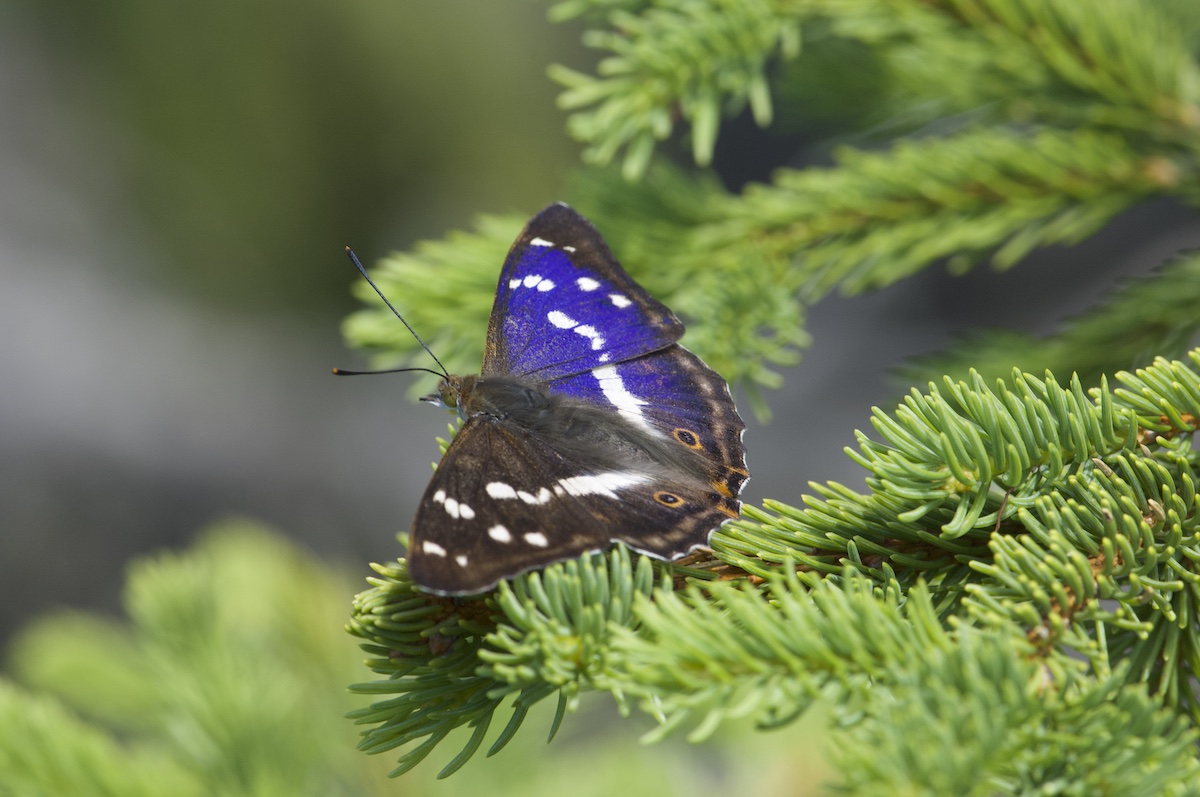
x,y
449,392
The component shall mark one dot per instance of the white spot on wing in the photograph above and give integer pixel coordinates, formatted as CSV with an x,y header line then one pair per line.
x,y
499,534
619,300
540,242
462,560
537,538
587,284
605,357
439,496
532,279
514,283
590,332
545,285
601,483
500,490
465,512
614,390
561,319
542,497
569,248
433,548
452,507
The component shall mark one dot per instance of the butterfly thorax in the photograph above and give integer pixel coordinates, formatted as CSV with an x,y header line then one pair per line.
x,y
525,402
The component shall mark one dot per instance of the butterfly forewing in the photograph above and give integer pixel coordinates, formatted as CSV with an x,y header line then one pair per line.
x,y
564,305
496,508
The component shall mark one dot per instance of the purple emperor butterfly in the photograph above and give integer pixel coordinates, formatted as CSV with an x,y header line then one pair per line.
x,y
588,425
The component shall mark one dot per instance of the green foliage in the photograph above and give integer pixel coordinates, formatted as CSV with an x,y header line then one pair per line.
x,y
225,681
1034,122
48,751
453,663
976,723
1025,554
227,678
1010,607
1107,63
770,655
877,218
924,711
696,58
1118,65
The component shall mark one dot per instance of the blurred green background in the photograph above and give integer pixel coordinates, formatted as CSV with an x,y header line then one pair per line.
x,y
177,182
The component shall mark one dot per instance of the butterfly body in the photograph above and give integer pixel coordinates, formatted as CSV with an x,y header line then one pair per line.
x,y
590,437
588,425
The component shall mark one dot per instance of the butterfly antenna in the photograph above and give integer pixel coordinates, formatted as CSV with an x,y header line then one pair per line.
x,y
344,372
445,374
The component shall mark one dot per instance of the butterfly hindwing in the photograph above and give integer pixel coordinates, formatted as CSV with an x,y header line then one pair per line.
x,y
564,305
674,394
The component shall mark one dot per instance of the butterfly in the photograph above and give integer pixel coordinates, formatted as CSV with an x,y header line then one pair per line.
x,y
587,425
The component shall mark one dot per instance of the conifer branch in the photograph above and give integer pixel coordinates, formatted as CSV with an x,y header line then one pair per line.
x,y
1052,524
871,221
222,678
1108,64
698,59
927,710
977,720
1025,549
455,662
1093,107
878,218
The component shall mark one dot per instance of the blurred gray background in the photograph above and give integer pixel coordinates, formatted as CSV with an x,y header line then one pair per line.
x,y
176,185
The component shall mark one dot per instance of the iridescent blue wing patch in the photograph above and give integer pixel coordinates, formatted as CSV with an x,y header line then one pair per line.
x,y
673,394
564,305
